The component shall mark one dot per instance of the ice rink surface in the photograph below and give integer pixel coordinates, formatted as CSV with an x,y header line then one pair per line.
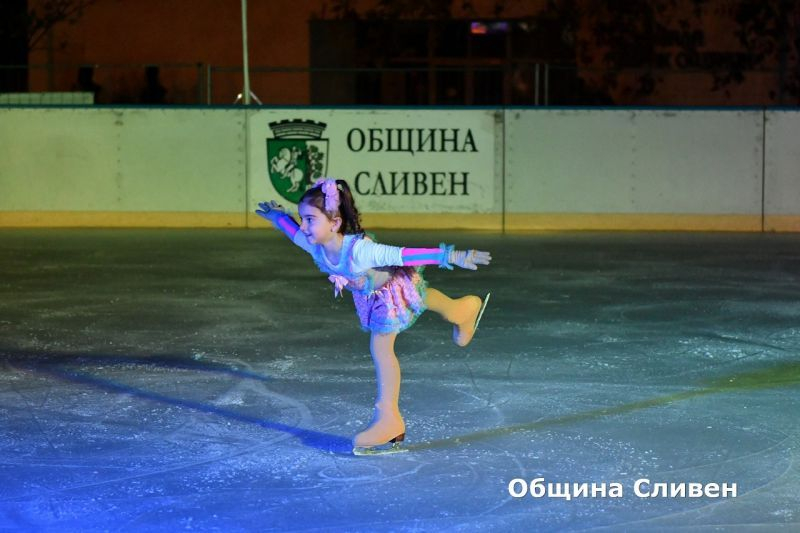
x,y
167,380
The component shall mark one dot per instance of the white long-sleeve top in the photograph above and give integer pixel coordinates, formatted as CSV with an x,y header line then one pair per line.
x,y
365,254
361,261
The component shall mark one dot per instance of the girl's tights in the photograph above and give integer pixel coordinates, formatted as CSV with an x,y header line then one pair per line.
x,y
387,423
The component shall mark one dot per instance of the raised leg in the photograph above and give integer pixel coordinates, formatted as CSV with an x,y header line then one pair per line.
x,y
387,425
461,312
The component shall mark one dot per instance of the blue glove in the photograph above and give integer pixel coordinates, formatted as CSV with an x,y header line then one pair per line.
x,y
277,215
272,211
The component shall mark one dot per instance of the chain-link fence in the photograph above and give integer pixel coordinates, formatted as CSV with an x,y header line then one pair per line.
x,y
512,83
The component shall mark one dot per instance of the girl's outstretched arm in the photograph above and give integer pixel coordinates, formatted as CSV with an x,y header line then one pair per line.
x,y
369,254
445,256
277,215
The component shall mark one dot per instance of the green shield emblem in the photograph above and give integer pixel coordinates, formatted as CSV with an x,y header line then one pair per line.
x,y
296,157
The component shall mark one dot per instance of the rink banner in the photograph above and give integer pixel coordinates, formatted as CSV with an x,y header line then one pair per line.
x,y
398,162
499,170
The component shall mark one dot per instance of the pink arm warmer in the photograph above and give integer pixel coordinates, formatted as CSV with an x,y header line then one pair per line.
x,y
287,225
428,256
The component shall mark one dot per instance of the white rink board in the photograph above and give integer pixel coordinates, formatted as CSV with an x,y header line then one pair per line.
x,y
123,159
348,136
526,163
57,159
633,161
782,172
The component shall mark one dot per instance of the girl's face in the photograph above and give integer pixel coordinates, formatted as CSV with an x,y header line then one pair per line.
x,y
316,226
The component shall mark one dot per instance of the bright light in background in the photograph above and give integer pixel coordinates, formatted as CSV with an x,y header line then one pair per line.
x,y
483,28
478,28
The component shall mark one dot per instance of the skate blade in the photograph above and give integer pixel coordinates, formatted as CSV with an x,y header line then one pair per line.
x,y
483,308
380,450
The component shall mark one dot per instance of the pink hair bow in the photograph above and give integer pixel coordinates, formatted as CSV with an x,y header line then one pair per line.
x,y
331,193
339,283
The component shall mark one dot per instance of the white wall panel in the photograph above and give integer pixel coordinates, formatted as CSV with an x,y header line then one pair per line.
x,y
633,161
782,169
57,159
121,160
181,160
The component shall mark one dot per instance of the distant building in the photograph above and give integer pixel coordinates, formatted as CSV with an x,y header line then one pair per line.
x,y
484,52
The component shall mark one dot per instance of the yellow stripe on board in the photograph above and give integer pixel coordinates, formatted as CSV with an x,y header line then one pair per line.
x,y
782,223
488,222
517,222
630,222
473,221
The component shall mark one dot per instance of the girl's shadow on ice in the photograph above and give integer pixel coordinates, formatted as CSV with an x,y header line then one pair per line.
x,y
62,366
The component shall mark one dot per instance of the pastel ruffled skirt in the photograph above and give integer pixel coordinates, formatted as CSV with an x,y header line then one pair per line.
x,y
395,306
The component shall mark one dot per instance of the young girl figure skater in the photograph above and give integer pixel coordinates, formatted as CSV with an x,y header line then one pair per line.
x,y
387,287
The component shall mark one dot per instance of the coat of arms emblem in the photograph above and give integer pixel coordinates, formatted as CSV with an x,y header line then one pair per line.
x,y
296,156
